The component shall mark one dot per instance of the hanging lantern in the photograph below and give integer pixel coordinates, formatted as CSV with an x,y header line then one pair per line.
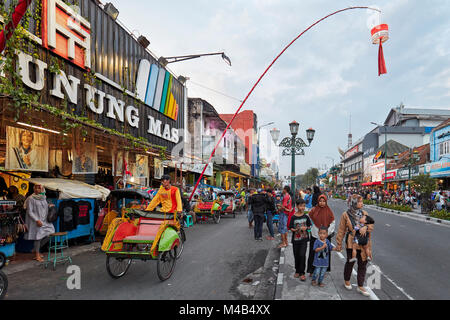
x,y
380,34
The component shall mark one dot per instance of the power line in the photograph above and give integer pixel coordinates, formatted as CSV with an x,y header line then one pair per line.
x,y
221,93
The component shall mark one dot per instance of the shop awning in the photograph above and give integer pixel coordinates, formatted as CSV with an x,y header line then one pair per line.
x,y
376,183
70,189
233,174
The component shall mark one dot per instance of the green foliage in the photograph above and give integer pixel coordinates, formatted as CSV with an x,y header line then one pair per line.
x,y
395,207
440,214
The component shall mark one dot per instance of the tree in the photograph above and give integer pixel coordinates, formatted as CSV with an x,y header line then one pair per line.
x,y
310,177
425,185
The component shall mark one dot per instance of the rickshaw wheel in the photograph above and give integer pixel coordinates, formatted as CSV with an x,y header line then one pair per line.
x,y
117,267
182,240
2,260
166,263
3,285
216,217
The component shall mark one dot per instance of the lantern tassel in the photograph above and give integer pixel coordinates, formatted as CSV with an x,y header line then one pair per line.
x,y
381,63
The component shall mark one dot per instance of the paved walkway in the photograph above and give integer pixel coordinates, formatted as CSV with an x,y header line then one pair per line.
x,y
290,288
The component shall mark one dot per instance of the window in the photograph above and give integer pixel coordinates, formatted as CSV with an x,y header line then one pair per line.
x,y
444,148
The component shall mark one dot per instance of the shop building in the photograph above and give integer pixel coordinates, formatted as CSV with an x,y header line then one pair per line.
x,y
439,166
205,127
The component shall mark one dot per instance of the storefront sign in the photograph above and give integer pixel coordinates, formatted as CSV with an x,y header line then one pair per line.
x,y
115,96
403,173
198,168
352,151
438,169
26,150
244,168
390,175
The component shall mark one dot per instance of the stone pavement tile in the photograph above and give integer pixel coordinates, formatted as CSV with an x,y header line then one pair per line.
x,y
294,289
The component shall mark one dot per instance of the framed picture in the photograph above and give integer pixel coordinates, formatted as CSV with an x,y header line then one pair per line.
x,y
141,166
159,169
84,158
26,150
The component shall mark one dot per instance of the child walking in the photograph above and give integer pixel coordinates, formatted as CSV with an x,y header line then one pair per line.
x,y
322,248
300,225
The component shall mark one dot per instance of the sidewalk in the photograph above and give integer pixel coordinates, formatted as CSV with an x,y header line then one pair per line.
x,y
25,261
290,288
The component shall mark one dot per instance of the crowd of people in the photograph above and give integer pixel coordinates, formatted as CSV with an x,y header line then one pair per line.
x,y
309,219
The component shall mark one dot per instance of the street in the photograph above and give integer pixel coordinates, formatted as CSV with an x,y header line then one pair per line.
x,y
216,259
413,256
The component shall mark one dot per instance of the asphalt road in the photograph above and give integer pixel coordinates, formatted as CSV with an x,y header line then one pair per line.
x,y
413,256
216,259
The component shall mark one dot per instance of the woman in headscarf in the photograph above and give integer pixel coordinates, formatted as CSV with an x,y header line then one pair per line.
x,y
346,226
36,220
315,196
321,216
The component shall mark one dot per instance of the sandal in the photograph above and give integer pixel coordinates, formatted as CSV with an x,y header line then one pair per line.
x,y
303,278
321,285
38,259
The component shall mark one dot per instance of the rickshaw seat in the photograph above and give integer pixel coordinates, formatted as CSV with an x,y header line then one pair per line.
x,y
146,232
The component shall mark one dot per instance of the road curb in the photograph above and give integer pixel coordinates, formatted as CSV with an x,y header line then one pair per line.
x,y
73,251
411,215
268,272
280,276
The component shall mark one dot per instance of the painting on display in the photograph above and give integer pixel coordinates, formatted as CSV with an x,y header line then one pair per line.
x,y
141,166
26,150
159,169
84,158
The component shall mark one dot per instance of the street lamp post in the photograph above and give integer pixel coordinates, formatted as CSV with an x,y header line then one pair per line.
x,y
294,146
164,61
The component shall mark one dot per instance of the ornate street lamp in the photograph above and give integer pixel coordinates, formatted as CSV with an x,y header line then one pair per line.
x,y
294,146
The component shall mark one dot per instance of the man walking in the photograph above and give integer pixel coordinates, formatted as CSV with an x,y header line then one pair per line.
x,y
259,203
270,212
249,208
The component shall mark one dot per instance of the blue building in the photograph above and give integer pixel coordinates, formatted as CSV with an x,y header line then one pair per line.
x,y
440,155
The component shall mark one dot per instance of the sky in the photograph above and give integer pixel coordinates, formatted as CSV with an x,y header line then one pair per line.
x,y
330,73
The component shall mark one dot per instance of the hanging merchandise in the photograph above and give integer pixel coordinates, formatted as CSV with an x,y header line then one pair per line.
x,y
380,34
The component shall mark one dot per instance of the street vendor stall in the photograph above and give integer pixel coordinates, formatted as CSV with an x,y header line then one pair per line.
x,y
75,205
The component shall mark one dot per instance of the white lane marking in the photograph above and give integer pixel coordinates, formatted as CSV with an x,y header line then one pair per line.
x,y
280,278
388,225
372,296
393,283
377,268
281,260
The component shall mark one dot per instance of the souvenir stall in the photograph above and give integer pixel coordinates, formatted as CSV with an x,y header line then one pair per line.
x,y
11,224
75,205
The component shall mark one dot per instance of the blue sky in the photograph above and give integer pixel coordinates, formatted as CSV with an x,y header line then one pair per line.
x,y
328,74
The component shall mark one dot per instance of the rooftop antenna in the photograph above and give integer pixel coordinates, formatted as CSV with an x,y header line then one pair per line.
x,y
350,133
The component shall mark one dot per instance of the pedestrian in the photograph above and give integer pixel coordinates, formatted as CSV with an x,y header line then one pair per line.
x,y
285,209
259,203
321,216
308,199
271,209
300,225
249,209
344,233
36,220
315,196
322,250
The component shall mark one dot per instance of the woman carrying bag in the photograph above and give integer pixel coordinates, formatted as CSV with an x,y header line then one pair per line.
x,y
321,216
36,220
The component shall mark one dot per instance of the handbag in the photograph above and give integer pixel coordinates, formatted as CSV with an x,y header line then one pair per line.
x,y
52,215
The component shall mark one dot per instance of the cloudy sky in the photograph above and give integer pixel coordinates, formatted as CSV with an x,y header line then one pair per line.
x,y
327,75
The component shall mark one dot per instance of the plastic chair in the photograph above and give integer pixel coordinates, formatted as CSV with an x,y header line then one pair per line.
x,y
189,221
58,242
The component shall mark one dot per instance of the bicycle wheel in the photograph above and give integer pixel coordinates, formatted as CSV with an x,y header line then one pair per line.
x,y
117,267
3,284
166,263
182,236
